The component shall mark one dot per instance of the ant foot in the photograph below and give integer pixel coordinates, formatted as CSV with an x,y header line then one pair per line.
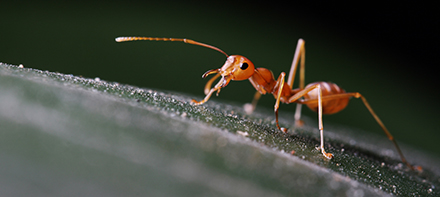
x,y
418,168
195,102
328,155
284,129
248,108
299,123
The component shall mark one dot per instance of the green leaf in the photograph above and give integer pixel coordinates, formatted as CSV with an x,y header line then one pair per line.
x,y
63,135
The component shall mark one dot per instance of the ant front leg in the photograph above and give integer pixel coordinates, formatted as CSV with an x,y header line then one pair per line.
x,y
250,107
209,83
208,95
208,91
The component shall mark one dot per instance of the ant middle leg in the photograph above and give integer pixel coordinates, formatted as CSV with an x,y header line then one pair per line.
x,y
300,54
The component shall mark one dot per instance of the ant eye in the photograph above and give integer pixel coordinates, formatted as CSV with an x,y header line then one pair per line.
x,y
244,66
239,67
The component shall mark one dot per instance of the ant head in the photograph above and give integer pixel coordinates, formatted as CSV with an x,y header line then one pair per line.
x,y
236,68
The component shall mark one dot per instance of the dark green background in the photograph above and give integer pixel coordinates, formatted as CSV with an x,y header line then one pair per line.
x,y
386,52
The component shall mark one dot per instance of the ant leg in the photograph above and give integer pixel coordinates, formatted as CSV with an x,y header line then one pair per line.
x,y
390,137
206,97
370,109
321,126
300,94
298,121
250,107
280,85
209,83
300,52
217,88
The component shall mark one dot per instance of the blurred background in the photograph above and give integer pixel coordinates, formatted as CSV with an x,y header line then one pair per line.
x,y
386,52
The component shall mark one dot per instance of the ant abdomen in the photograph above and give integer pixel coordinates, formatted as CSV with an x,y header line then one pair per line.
x,y
330,106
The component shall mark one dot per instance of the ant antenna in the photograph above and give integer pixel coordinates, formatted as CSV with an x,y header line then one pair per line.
x,y
124,39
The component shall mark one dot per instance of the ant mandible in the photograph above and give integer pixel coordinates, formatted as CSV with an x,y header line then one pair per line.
x,y
321,97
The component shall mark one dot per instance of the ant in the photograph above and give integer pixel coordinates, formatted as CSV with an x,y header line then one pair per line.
x,y
321,97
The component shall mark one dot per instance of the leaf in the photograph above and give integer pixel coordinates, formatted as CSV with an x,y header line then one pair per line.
x,y
63,135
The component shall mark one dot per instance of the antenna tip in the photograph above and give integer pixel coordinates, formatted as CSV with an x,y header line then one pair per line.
x,y
120,39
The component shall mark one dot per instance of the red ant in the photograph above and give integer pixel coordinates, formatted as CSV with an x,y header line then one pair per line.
x,y
321,97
